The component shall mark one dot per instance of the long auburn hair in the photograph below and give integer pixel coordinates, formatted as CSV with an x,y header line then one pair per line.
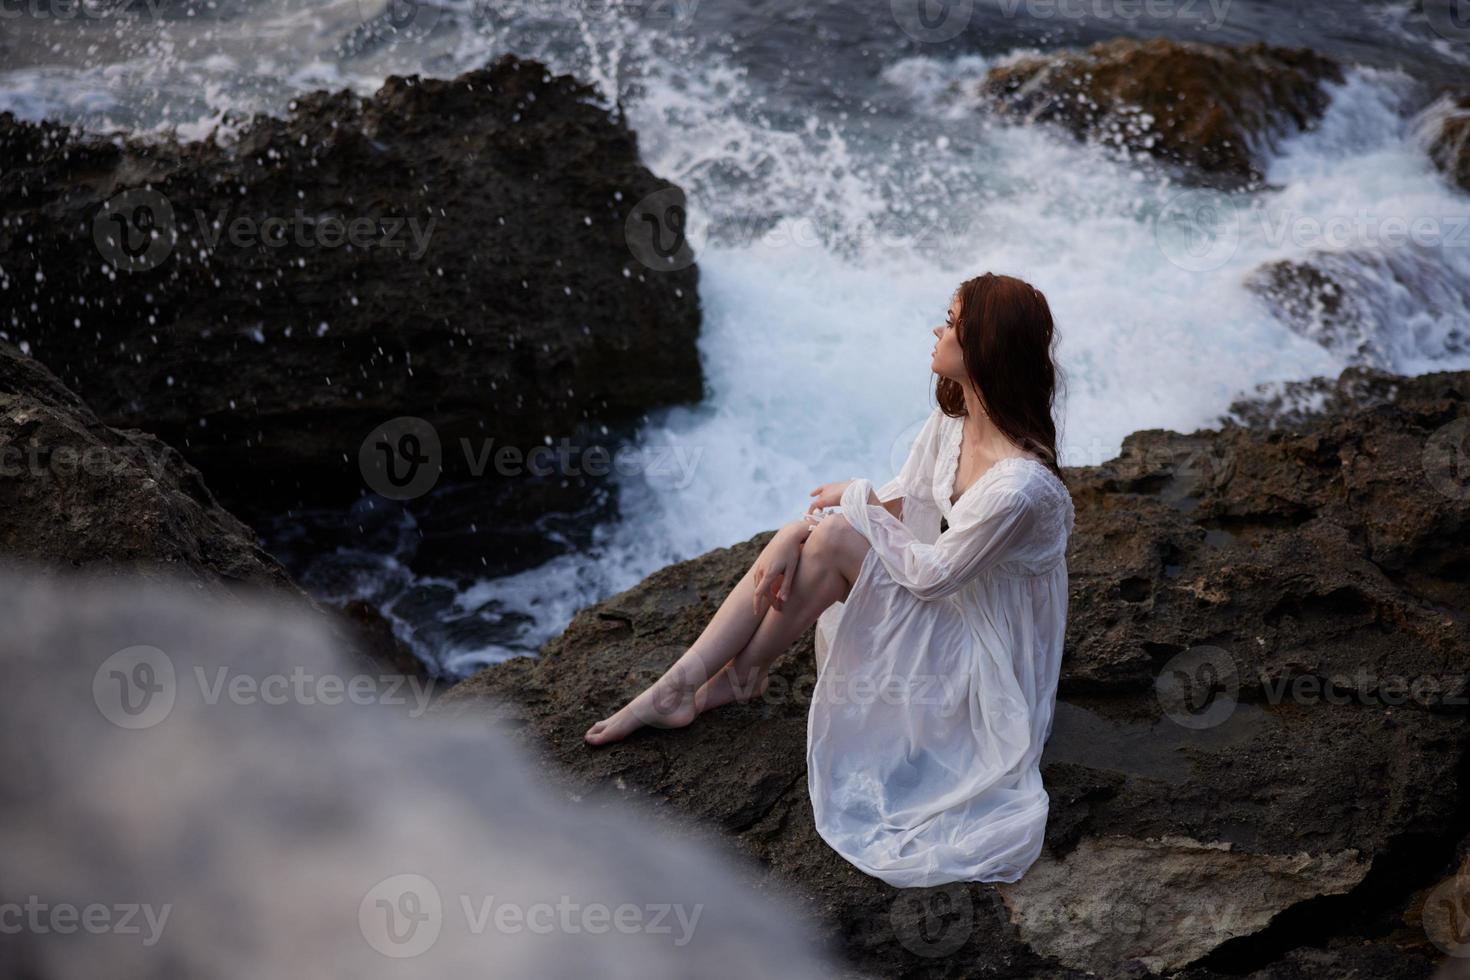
x,y
1007,338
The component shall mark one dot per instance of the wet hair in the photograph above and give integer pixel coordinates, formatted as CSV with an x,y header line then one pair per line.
x,y
1007,338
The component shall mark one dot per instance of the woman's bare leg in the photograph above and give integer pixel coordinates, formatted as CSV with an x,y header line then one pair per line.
x,y
830,562
671,702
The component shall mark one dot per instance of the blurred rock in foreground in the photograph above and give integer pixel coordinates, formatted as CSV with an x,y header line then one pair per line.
x,y
196,788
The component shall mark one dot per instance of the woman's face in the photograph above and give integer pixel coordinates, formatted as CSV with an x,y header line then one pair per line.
x,y
948,362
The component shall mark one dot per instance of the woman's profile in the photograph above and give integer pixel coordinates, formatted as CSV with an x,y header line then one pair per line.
x,y
940,605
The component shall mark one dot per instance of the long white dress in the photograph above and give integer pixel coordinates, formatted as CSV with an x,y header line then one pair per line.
x,y
937,677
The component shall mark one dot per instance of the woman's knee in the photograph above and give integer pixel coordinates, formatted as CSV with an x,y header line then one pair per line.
x,y
835,541
824,538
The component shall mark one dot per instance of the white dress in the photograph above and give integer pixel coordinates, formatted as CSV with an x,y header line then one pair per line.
x,y
937,677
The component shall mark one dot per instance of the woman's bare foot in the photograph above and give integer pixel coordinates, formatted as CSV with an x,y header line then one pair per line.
x,y
722,689
667,703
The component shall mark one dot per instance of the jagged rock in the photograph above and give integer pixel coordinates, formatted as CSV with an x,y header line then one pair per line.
x,y
490,287
370,633
76,494
1264,559
1294,404
1443,129
1162,903
1387,309
1211,108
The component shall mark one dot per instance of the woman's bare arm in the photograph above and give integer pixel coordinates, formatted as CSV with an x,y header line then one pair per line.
x,y
894,506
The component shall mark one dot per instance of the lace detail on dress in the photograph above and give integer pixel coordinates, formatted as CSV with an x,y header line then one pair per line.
x,y
1058,512
1057,509
948,460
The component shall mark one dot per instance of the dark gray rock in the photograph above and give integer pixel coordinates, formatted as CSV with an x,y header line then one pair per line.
x,y
78,495
490,289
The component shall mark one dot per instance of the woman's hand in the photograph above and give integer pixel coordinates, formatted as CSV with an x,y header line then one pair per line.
x,y
776,567
828,495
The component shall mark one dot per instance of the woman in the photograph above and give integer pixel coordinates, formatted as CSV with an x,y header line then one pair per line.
x,y
940,602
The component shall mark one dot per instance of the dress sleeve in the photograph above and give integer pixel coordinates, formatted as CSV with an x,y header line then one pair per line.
x,y
991,531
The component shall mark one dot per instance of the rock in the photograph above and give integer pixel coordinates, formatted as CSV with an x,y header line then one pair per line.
x,y
1301,821
1210,108
77,495
1443,129
1166,902
487,284
299,825
1294,404
1390,309
371,636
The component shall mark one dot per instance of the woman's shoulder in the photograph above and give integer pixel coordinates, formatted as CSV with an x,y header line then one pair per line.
x,y
1032,481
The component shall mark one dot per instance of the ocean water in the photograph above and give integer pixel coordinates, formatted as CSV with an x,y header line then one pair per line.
x,y
843,181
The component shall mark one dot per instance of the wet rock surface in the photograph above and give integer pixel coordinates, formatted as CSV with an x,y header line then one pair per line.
x,y
1365,304
1444,130
1259,761
77,495
1208,108
268,299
